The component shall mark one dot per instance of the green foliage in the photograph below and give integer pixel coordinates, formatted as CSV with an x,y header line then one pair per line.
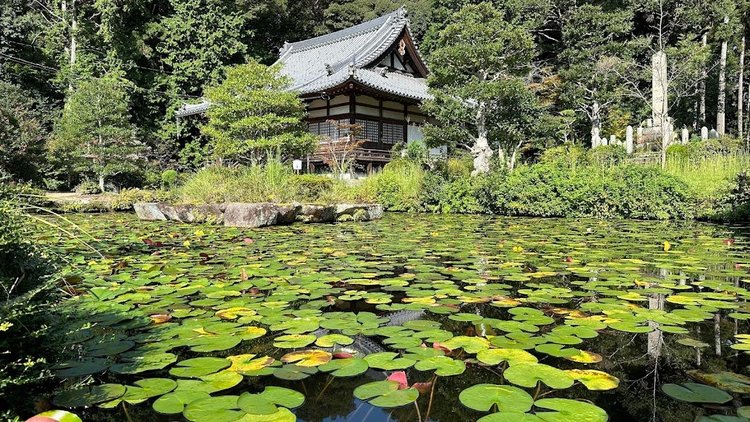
x,y
477,71
253,118
312,187
398,187
169,178
88,187
734,205
270,182
26,294
608,155
626,191
94,135
22,134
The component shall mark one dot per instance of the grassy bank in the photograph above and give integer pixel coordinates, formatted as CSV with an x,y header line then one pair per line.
x,y
565,182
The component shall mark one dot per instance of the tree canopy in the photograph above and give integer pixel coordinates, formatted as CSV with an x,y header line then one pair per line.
x,y
253,117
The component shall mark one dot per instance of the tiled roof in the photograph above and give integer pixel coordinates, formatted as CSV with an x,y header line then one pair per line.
x,y
324,62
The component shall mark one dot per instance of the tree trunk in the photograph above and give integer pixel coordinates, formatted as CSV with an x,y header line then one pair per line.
x,y
72,48
740,91
596,125
717,334
481,149
721,104
656,302
702,89
101,183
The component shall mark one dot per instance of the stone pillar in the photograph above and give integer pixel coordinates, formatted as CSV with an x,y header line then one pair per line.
x,y
639,135
595,139
685,136
629,139
603,141
612,140
659,86
704,133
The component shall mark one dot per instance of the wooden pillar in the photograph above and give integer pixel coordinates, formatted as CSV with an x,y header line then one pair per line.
x,y
352,106
406,125
380,124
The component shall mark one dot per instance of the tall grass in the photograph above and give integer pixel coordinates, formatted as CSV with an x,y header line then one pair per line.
x,y
398,187
271,182
710,176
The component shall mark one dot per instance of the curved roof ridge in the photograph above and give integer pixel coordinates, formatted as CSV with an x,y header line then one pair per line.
x,y
364,27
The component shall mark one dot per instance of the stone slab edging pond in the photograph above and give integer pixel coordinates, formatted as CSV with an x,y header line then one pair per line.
x,y
253,215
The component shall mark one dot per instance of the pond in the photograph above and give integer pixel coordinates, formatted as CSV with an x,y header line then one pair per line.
x,y
412,317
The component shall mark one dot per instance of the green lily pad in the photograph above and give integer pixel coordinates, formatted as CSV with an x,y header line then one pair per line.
x,y
198,367
696,393
87,396
442,365
386,394
348,367
388,361
529,374
482,397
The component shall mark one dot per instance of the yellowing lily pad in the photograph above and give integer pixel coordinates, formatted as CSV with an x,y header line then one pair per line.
x,y
307,358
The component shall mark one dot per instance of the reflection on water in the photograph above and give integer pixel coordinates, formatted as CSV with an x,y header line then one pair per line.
x,y
615,296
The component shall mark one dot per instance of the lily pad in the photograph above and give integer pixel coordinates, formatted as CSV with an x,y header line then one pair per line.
x,y
386,394
482,397
696,393
307,358
348,367
198,367
529,374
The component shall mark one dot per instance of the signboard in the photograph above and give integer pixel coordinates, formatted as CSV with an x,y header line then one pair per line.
x,y
297,165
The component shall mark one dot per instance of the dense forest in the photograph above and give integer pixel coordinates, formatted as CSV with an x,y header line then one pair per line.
x,y
586,62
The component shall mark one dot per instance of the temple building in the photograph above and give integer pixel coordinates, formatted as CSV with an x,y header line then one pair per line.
x,y
370,75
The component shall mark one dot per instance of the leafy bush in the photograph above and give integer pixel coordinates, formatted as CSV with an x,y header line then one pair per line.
x,y
88,187
735,203
312,187
713,147
608,155
398,187
566,155
25,300
169,178
459,196
626,191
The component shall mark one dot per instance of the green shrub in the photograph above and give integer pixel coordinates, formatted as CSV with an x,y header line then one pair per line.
x,y
566,155
625,191
459,196
713,147
608,155
734,205
26,297
88,187
678,152
312,187
169,178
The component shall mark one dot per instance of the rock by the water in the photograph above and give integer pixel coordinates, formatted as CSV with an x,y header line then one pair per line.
x,y
309,213
288,213
169,211
211,213
148,211
257,215
359,212
250,215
